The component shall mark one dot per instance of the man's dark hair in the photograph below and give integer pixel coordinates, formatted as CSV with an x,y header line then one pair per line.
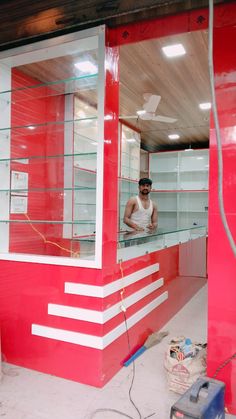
x,y
145,181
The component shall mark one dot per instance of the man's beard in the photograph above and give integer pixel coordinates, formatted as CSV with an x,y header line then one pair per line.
x,y
144,192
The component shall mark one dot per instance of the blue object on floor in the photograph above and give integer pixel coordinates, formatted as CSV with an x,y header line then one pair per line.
x,y
204,400
139,352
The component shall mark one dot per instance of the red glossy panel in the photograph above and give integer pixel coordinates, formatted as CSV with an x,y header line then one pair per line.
x,y
33,107
224,15
110,194
221,261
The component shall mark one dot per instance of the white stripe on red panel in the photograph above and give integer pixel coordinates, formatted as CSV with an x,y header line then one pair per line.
x,y
102,317
104,291
92,341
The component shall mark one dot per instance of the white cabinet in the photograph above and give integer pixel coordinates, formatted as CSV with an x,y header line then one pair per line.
x,y
130,153
180,187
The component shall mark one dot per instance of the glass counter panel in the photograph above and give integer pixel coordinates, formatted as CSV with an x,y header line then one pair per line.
x,y
50,145
134,244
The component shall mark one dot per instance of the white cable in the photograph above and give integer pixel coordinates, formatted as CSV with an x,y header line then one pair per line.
x,y
217,128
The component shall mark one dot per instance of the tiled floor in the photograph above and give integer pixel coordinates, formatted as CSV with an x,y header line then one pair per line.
x,y
26,394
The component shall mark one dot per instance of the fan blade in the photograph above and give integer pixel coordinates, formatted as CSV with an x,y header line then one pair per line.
x,y
151,103
166,119
146,116
128,117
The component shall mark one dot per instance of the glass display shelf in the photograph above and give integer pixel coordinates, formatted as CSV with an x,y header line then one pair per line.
x,y
29,221
155,174
129,236
16,158
48,89
193,170
60,190
33,127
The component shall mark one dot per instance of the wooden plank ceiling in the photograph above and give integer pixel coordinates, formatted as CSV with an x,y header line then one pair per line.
x,y
182,82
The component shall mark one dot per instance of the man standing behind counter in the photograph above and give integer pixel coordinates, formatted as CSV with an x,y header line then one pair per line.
x,y
140,212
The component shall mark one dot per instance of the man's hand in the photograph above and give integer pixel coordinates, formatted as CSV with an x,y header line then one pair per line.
x,y
137,228
152,227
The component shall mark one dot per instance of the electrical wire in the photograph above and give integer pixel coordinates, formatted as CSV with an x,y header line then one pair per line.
x,y
226,362
73,254
217,128
123,309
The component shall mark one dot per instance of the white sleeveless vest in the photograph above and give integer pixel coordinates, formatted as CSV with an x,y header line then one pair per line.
x,y
142,217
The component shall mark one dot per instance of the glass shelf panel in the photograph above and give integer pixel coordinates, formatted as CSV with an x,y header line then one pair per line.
x,y
33,92
16,157
39,128
62,191
56,222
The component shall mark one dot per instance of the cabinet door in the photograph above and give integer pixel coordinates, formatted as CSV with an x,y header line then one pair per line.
x,y
193,170
164,170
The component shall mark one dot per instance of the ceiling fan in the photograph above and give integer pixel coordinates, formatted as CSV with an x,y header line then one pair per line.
x,y
149,109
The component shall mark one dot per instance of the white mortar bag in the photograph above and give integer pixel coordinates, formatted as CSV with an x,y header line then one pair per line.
x,y
182,374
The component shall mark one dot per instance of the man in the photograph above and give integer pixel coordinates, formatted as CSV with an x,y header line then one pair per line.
x,y
140,212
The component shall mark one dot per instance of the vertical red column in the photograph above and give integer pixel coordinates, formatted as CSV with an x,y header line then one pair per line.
x,y
111,120
221,262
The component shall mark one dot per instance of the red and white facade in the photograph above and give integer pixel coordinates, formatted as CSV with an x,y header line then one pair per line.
x,y
67,320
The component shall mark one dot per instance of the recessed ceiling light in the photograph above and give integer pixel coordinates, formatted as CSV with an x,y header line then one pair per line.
x,y
141,112
86,67
174,50
205,106
173,136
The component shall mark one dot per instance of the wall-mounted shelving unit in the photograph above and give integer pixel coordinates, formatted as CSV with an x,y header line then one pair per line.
x,y
180,187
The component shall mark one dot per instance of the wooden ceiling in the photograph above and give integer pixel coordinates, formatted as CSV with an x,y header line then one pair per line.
x,y
182,82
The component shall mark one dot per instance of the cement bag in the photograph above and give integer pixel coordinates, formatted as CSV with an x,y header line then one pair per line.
x,y
184,368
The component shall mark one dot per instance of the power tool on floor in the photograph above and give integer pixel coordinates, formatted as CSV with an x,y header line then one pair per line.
x,y
204,400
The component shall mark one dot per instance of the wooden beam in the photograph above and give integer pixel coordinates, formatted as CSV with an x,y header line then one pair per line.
x,y
24,21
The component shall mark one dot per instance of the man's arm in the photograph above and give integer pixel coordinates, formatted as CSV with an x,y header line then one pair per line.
x,y
153,224
130,206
